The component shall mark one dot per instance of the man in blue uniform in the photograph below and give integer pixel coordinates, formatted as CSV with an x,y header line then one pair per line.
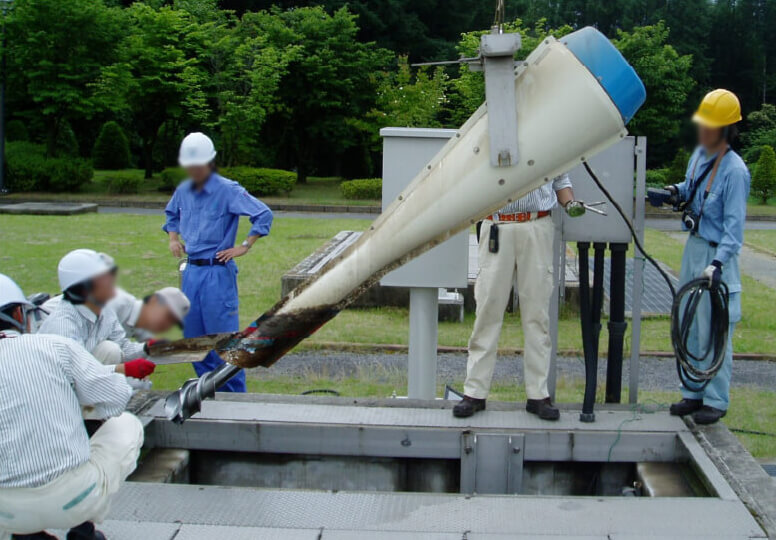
x,y
716,189
205,211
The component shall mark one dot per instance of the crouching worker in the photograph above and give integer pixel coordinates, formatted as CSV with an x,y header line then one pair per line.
x,y
714,195
205,211
88,283
52,476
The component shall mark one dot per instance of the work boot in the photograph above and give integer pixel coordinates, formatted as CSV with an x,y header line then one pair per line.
x,y
42,535
685,407
468,406
543,408
708,415
85,531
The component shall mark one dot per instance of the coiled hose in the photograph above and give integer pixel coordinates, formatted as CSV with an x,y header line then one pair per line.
x,y
684,312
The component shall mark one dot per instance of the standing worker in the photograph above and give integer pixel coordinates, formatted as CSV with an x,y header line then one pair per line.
x,y
715,191
52,476
205,210
516,242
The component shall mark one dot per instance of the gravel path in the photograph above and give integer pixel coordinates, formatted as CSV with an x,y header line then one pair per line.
x,y
656,373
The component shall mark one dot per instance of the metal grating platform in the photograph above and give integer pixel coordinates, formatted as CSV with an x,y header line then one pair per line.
x,y
165,511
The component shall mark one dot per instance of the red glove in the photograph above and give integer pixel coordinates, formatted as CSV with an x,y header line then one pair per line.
x,y
139,368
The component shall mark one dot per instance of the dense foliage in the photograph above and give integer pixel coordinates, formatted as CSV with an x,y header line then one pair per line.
x,y
29,169
305,85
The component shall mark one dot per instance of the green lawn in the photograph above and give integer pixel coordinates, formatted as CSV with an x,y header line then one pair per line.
x,y
30,247
762,240
756,208
317,190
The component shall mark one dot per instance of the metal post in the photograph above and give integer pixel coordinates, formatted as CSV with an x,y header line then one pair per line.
x,y
638,271
6,5
585,317
424,326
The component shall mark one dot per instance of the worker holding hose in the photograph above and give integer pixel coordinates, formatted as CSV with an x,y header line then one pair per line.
x,y
713,200
205,211
516,242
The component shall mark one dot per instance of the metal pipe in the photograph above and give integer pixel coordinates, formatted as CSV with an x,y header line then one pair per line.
x,y
598,293
591,360
617,324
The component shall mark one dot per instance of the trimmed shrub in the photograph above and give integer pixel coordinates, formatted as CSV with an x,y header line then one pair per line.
x,y
25,166
365,188
764,178
657,178
28,169
16,130
260,181
171,177
66,143
111,149
678,168
123,182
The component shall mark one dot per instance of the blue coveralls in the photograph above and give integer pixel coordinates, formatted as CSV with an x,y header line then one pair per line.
x,y
207,220
719,237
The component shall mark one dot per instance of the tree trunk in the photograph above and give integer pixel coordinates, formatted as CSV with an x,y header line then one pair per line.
x,y
52,130
301,172
148,158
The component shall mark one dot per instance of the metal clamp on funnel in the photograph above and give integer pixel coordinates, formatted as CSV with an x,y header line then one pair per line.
x,y
497,61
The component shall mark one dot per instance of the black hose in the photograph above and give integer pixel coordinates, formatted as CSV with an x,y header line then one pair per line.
x,y
693,378
591,360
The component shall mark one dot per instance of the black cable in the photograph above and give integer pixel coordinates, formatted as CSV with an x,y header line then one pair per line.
x,y
320,391
752,432
693,378
630,226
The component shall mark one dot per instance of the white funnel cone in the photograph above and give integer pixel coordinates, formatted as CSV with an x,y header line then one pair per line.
x,y
573,99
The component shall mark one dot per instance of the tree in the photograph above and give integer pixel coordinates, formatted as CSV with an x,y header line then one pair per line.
x,y
407,100
153,79
678,167
329,84
56,51
111,149
666,77
761,132
764,179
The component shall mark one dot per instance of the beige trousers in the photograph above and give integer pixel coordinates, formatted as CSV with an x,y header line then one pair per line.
x,y
525,252
80,494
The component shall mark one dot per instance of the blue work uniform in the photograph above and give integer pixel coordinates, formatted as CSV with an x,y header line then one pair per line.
x,y
719,237
207,219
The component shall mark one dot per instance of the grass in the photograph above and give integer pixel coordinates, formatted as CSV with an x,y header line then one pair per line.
x,y
31,246
318,190
762,240
757,208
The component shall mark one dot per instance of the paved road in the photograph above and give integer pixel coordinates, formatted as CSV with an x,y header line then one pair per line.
x,y
655,373
665,224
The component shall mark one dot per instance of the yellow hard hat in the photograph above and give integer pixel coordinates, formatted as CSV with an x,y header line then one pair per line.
x,y
719,108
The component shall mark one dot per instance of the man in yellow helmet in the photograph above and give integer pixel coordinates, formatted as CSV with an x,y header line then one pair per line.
x,y
714,192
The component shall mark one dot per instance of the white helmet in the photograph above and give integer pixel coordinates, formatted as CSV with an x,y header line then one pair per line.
x,y
81,265
110,261
196,149
11,294
177,302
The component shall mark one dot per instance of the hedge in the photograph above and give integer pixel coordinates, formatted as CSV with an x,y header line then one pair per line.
x,y
365,188
260,181
257,181
171,177
28,169
124,182
657,178
111,149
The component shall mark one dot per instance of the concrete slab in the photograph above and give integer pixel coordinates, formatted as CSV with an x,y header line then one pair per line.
x,y
206,532
48,208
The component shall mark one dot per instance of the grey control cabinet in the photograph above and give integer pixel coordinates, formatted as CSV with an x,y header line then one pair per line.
x,y
406,151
